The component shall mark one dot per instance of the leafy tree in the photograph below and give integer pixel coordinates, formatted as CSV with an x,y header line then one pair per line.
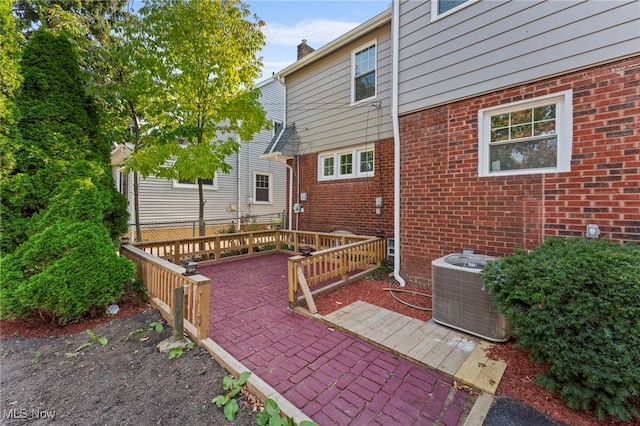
x,y
125,94
10,79
59,127
204,64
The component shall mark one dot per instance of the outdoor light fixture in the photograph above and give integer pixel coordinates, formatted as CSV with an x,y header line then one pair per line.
x,y
124,241
190,268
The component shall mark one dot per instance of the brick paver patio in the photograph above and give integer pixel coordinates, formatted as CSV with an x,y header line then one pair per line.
x,y
332,376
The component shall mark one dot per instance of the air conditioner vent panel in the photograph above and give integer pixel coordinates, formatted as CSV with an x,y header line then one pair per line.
x,y
461,301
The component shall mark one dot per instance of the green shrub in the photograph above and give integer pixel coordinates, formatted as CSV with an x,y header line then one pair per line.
x,y
575,304
67,271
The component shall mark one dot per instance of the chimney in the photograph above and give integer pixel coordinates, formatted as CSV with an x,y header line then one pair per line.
x,y
304,49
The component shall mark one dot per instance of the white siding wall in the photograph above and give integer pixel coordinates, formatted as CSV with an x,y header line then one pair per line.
x,y
490,45
319,99
272,100
160,201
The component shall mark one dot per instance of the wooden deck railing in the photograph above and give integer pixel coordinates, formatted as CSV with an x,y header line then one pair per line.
x,y
161,277
219,247
337,259
333,267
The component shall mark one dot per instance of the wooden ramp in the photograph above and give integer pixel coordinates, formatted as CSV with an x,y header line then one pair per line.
x,y
450,352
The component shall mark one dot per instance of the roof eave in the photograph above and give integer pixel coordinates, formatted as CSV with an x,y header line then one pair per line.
x,y
361,30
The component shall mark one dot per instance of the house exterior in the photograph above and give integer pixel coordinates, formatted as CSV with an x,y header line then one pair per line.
x,y
500,123
252,192
338,139
517,121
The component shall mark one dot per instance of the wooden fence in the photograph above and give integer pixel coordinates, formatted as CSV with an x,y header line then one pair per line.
x,y
220,247
336,260
161,277
333,267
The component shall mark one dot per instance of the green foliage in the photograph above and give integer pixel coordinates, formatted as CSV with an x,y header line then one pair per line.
x,y
66,271
201,106
271,416
36,358
575,304
94,339
178,351
232,386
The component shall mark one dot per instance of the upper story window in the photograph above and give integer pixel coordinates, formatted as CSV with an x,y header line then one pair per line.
x,y
344,164
363,72
262,189
440,8
526,137
277,126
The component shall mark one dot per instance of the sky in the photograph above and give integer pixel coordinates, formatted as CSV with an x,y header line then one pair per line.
x,y
317,21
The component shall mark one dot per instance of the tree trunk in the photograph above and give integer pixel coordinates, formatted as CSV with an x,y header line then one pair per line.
x,y
201,223
136,205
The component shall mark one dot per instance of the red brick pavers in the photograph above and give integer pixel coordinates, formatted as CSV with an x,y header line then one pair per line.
x,y
332,376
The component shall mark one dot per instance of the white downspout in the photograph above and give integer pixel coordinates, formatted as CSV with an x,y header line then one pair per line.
x,y
239,186
395,30
290,210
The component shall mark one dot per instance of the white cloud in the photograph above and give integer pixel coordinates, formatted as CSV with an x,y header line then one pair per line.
x,y
317,32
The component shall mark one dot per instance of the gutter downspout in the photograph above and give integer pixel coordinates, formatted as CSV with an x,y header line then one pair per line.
x,y
395,29
290,211
239,186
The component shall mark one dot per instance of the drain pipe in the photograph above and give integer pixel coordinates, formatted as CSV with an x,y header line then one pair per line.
x,y
290,212
395,28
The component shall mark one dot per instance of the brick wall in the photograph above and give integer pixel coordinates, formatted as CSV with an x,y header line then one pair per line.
x,y
446,207
347,204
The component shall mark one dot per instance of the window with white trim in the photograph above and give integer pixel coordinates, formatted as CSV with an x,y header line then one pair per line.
x,y
207,183
441,8
262,190
344,164
363,72
277,126
526,137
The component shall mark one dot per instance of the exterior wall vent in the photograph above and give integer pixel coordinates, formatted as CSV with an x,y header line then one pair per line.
x,y
461,301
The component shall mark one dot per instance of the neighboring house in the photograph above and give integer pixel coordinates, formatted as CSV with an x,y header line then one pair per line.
x,y
512,121
255,187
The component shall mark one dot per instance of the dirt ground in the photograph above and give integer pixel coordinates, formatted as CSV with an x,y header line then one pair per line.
x,y
125,381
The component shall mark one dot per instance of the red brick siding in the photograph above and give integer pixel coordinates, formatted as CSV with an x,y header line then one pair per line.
x,y
347,204
446,207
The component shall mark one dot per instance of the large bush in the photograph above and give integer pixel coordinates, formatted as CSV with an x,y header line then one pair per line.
x,y
66,271
575,304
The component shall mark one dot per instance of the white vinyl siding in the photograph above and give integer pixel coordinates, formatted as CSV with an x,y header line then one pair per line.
x,y
319,99
526,137
347,163
489,45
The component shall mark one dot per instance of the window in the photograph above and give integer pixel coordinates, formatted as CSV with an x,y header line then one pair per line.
x,y
363,70
277,126
526,137
352,163
262,188
210,184
440,8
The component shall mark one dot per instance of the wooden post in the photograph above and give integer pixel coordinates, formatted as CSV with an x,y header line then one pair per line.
x,y
302,282
178,313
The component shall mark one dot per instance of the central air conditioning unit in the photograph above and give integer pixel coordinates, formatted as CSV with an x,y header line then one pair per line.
x,y
461,301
